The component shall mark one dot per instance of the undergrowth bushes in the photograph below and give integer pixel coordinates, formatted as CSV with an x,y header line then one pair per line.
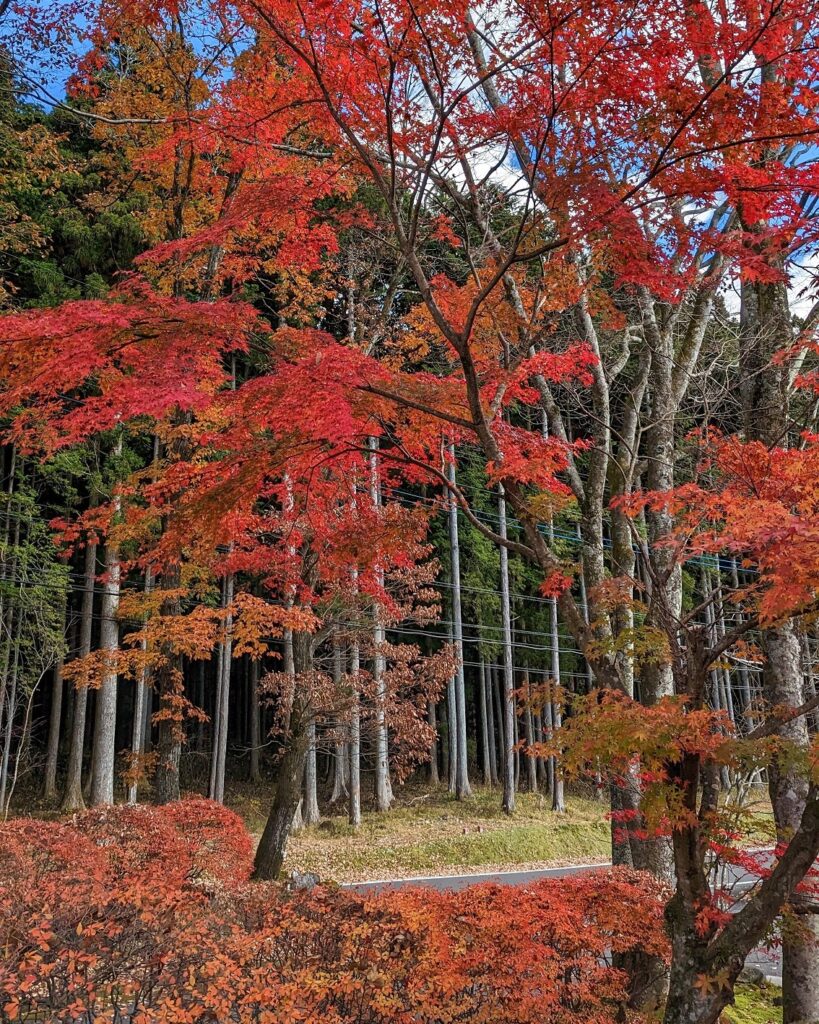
x,y
148,915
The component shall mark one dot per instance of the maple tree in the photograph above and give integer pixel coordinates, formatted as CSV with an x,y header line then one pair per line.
x,y
560,192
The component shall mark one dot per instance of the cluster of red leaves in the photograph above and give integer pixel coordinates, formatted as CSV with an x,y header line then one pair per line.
x,y
146,915
756,503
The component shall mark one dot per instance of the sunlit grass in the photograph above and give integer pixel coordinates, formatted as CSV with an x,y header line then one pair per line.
x,y
428,832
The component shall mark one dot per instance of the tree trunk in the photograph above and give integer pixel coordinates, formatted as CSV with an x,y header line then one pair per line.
x,y
340,752
789,790
222,716
140,696
528,725
490,716
105,724
556,715
310,812
765,330
508,669
383,785
354,807
485,757
432,721
72,797
54,724
272,849
451,737
255,724
462,787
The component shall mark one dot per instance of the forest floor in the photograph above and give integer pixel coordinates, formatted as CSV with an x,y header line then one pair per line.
x,y
428,832
755,1004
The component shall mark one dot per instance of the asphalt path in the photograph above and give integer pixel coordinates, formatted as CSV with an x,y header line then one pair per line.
x,y
769,964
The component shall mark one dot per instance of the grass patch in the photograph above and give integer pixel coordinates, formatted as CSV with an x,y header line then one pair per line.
x,y
429,832
754,1005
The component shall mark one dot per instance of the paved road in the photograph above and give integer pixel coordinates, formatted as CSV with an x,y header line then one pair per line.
x,y
771,966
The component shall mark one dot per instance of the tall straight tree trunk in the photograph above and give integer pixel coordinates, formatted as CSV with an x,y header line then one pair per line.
x,y
531,765
508,668
555,708
11,665
383,785
382,778
490,723
310,809
548,727
432,721
354,805
255,723
462,787
558,801
72,797
104,750
340,757
220,725
55,718
451,738
169,730
485,758
140,697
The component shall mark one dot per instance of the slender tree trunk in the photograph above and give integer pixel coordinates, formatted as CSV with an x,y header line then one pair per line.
x,y
169,729
72,797
432,721
462,787
490,719
354,807
255,724
451,737
485,758
54,723
531,766
220,725
383,785
310,809
550,761
140,695
340,754
558,800
508,669
104,751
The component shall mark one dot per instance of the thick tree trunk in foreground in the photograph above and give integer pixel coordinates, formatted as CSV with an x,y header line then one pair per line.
x,y
789,793
272,848
704,969
765,331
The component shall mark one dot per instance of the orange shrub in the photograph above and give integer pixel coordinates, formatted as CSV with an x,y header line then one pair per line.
x,y
146,915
